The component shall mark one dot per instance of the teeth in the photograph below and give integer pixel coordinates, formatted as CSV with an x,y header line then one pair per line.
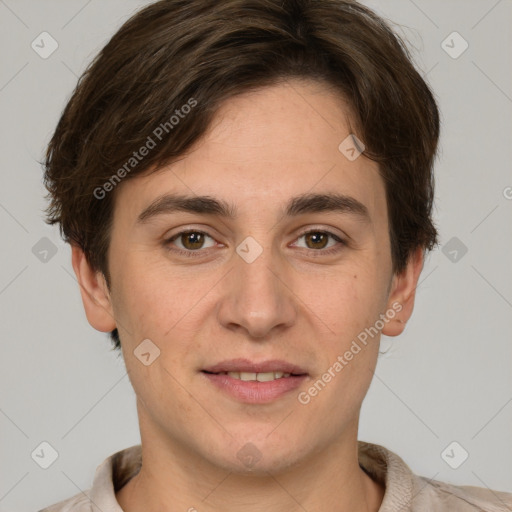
x,y
265,377
260,377
247,376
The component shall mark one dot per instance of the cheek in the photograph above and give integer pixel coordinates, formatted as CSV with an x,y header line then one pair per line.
x,y
350,354
150,299
347,302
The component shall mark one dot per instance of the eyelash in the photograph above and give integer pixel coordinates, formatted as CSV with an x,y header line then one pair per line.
x,y
200,252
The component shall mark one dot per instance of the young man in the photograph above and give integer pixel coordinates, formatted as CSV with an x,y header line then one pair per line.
x,y
247,187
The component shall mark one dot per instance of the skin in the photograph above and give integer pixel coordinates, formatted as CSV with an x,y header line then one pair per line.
x,y
288,304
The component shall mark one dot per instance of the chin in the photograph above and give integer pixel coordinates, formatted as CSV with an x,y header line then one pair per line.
x,y
258,455
265,463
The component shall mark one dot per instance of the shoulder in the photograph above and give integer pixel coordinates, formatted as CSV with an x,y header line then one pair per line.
x,y
110,476
405,491
78,503
442,496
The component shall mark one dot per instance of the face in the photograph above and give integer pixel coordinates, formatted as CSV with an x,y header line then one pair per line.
x,y
278,290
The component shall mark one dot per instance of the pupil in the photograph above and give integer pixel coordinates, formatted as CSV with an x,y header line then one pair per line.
x,y
316,236
194,239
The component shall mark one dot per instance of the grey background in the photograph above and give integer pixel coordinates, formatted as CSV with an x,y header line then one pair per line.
x,y
447,378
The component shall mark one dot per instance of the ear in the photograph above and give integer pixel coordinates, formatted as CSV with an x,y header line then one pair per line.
x,y
403,293
94,291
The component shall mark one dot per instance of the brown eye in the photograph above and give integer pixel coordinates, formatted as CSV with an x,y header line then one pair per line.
x,y
316,239
317,242
192,240
189,241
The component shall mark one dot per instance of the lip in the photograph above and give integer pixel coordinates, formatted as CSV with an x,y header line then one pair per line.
x,y
245,365
255,392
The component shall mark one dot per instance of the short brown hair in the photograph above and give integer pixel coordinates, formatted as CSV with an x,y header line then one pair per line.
x,y
175,51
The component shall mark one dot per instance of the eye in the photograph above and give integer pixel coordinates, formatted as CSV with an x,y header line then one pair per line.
x,y
191,241
317,241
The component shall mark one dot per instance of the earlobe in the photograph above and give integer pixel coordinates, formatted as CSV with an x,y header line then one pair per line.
x,y
94,292
403,293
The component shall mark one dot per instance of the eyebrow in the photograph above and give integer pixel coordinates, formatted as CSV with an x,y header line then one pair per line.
x,y
206,205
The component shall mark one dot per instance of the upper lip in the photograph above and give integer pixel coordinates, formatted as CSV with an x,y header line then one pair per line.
x,y
245,365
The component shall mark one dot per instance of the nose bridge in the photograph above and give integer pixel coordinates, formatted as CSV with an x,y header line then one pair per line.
x,y
256,298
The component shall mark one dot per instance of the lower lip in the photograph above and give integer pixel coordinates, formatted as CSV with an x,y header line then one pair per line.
x,y
255,392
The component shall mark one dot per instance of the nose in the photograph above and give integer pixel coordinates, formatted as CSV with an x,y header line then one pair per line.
x,y
258,298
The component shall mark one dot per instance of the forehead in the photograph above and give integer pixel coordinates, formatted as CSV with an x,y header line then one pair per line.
x,y
264,147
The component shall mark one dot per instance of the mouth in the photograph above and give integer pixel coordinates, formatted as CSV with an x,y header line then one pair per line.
x,y
255,383
252,376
